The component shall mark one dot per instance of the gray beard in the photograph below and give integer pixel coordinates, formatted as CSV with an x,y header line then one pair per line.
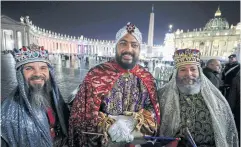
x,y
39,96
189,89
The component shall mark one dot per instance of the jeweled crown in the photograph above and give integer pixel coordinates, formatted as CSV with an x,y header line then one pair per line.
x,y
186,56
31,53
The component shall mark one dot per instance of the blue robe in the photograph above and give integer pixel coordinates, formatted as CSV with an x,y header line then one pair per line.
x,y
25,126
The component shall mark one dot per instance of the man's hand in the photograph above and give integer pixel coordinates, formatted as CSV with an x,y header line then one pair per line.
x,y
121,130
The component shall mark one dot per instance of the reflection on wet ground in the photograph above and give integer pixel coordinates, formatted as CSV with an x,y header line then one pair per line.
x,y
69,73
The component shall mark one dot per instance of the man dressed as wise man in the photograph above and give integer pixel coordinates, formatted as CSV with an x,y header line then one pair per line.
x,y
35,114
115,98
191,102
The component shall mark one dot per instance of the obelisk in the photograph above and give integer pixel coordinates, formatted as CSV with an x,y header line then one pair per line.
x,y
151,28
150,33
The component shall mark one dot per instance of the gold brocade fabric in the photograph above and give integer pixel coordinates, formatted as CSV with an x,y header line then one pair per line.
x,y
130,97
104,125
104,89
196,116
145,121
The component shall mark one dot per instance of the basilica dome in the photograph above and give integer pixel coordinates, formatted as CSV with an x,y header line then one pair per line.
x,y
217,23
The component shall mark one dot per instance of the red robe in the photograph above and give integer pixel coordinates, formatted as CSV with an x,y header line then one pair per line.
x,y
97,83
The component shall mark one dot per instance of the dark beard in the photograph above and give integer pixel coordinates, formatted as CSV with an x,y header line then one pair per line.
x,y
39,96
126,65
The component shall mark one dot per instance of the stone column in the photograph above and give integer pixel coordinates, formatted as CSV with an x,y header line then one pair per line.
x,y
15,38
19,39
211,48
49,47
227,45
219,48
27,36
53,44
76,48
3,40
46,43
24,38
49,44
60,47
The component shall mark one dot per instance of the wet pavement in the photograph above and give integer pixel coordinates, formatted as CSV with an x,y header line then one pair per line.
x,y
69,73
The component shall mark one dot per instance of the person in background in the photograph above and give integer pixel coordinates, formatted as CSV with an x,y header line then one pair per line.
x,y
212,72
202,63
230,71
234,100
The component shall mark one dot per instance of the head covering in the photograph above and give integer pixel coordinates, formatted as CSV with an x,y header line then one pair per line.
x,y
13,127
131,29
232,56
186,56
222,118
31,53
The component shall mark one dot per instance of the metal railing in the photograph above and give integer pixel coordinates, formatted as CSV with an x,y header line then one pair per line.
x,y
162,74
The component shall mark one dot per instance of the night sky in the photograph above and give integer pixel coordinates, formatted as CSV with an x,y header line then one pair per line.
x,y
102,19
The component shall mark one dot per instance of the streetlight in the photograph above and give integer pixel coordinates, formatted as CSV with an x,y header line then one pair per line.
x,y
170,27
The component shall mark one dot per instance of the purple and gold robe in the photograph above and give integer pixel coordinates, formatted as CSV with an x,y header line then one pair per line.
x,y
110,89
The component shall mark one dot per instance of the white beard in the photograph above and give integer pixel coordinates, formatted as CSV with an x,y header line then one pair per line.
x,y
189,89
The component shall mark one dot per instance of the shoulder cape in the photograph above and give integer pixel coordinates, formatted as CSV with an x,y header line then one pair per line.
x,y
97,83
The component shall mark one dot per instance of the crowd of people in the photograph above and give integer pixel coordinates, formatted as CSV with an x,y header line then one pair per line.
x,y
227,80
118,101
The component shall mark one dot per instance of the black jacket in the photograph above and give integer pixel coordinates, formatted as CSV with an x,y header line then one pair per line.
x,y
234,95
234,101
212,76
228,76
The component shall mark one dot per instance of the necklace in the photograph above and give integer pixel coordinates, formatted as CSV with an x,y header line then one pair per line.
x,y
127,77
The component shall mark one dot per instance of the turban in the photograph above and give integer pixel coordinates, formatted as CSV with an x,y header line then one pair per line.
x,y
131,29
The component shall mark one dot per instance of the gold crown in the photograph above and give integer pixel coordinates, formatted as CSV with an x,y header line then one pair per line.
x,y
186,56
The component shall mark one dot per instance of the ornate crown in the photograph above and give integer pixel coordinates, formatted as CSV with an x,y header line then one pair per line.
x,y
32,53
186,56
129,28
